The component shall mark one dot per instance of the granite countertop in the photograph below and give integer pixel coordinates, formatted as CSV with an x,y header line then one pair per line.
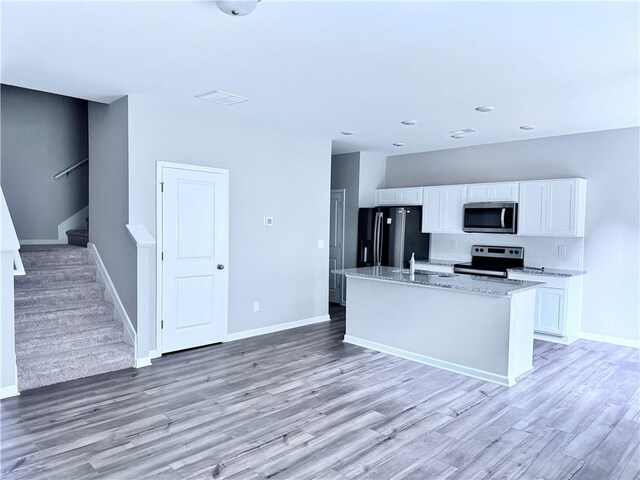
x,y
464,283
440,263
549,272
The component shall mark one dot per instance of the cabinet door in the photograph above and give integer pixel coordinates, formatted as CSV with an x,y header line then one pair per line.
x,y
561,208
387,197
503,192
532,208
431,207
411,196
477,193
452,204
550,308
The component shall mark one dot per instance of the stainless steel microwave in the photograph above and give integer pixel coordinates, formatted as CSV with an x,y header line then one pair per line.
x,y
491,217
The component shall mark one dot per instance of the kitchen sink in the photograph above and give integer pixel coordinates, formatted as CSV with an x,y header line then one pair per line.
x,y
424,273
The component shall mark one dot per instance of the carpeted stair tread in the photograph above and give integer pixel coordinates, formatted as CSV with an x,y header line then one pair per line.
x,y
59,285
65,340
51,297
62,256
77,310
47,370
53,274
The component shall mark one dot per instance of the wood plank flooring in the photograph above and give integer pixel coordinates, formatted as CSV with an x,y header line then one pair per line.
x,y
301,404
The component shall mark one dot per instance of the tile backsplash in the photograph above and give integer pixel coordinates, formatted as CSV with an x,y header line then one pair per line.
x,y
550,252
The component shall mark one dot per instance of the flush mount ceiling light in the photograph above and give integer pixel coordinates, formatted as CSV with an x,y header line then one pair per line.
x,y
527,127
463,131
409,122
237,8
457,136
485,108
398,144
347,132
222,98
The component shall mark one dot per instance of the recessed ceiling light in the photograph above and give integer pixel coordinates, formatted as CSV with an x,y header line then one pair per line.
x,y
398,144
463,131
457,136
222,98
527,127
485,108
347,132
409,122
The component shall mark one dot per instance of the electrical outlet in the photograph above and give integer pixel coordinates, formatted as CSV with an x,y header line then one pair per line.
x,y
268,221
256,306
320,243
562,250
454,244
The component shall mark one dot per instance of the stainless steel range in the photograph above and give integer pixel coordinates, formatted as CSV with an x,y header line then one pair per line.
x,y
491,261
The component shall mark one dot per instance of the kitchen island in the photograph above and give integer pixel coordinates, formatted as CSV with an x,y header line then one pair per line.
x,y
472,325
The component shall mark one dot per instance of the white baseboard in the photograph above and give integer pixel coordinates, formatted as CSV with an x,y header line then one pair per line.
x,y
121,313
143,362
625,342
10,391
433,362
275,328
42,241
554,338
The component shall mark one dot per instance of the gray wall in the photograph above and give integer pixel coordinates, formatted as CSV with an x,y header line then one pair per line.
x,y
42,134
109,197
270,173
610,161
345,173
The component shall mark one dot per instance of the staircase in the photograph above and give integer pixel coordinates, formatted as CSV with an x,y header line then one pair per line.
x,y
65,329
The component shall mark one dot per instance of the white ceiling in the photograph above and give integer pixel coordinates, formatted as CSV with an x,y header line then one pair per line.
x,y
316,68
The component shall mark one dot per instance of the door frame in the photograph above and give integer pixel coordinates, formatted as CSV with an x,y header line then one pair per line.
x,y
343,191
160,165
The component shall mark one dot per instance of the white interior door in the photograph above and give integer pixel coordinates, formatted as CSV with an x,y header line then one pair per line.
x,y
195,246
336,245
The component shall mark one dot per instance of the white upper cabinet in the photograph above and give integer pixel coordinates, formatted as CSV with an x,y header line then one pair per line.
x,y
399,196
552,207
493,192
442,209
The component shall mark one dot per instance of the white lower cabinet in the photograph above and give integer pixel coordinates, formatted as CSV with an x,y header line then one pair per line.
x,y
558,314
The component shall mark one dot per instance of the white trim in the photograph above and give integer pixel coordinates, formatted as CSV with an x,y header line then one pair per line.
x,y
562,340
625,342
42,241
10,391
159,244
121,313
275,328
143,362
444,365
154,354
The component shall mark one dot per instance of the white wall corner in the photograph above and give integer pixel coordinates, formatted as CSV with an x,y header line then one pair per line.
x,y
113,297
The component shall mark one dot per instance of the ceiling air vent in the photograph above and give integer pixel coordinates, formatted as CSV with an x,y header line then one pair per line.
x,y
223,98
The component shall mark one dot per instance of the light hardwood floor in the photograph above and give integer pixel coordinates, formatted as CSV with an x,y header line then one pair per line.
x,y
301,404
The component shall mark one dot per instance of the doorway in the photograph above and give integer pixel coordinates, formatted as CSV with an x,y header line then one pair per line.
x,y
193,253
336,247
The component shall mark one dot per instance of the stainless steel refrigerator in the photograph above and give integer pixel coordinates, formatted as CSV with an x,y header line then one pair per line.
x,y
388,235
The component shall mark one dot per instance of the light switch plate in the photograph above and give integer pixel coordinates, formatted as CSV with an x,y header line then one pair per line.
x,y
320,243
454,244
268,221
562,250
256,306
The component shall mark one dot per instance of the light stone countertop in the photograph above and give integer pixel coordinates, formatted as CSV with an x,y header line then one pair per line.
x,y
464,283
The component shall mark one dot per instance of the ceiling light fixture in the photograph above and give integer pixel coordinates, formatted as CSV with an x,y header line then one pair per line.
x,y
237,8
457,136
463,131
485,108
409,122
398,144
527,127
222,98
347,132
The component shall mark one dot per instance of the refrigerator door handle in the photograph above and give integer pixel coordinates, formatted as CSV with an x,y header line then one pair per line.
x,y
364,254
377,240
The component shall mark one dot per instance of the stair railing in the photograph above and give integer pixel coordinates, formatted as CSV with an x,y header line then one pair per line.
x,y
68,170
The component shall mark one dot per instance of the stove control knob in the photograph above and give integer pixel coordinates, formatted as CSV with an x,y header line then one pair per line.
x,y
511,251
482,249
516,252
477,250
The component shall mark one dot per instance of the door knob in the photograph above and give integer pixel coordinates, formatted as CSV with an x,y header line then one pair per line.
x,y
220,266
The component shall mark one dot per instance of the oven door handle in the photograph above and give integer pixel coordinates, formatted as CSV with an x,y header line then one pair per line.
x,y
504,212
479,272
